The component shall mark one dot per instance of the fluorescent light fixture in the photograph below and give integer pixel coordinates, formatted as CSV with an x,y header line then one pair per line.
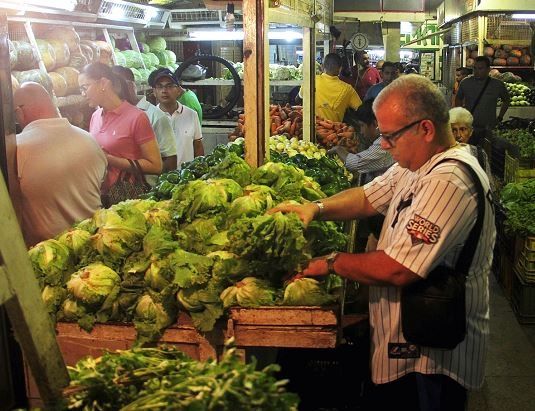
x,y
285,35
405,27
238,35
58,4
216,35
150,13
117,12
523,16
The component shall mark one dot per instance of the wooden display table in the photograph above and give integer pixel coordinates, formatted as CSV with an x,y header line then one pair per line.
x,y
276,327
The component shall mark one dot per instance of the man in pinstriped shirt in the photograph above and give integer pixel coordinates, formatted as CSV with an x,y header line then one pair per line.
x,y
412,115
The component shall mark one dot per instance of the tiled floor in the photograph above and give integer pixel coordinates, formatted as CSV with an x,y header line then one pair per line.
x,y
510,372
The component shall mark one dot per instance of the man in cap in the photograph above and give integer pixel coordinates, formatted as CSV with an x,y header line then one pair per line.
x,y
184,120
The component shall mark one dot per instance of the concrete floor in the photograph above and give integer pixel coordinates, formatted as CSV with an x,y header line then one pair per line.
x,y
510,372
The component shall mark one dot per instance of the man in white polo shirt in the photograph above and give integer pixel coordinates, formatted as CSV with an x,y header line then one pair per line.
x,y
185,121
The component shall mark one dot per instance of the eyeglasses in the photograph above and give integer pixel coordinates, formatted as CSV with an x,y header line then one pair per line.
x,y
85,87
392,137
168,86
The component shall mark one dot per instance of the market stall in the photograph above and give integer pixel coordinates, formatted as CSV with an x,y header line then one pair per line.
x,y
41,41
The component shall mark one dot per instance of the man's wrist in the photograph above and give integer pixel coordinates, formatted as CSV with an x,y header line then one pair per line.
x,y
320,208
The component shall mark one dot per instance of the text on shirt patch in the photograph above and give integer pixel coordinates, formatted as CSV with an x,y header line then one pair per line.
x,y
422,230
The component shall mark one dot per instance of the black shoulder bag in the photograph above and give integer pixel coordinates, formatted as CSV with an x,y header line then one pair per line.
x,y
433,311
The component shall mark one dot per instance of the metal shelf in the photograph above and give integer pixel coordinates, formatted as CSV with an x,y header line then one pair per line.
x,y
514,67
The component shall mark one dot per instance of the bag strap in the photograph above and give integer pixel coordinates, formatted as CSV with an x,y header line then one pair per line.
x,y
464,261
480,95
137,171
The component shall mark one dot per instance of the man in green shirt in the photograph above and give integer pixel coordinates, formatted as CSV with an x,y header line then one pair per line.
x,y
185,96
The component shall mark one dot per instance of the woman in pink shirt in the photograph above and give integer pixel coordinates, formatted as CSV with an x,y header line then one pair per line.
x,y
122,130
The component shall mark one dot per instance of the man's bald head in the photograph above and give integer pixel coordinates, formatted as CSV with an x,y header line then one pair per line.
x,y
32,102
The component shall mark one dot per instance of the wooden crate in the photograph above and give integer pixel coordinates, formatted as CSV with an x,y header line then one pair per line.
x,y
288,327
75,344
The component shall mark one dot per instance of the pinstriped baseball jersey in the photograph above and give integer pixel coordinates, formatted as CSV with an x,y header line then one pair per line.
x,y
432,231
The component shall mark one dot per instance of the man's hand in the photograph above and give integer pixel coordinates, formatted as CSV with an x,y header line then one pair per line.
x,y
306,212
316,267
340,152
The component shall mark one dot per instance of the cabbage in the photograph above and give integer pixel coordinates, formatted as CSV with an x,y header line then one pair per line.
x,y
171,57
120,59
157,43
203,198
158,242
137,75
197,236
258,200
234,167
91,285
51,262
277,72
120,232
53,297
151,317
77,240
158,214
228,265
133,58
144,47
153,60
147,60
203,304
274,244
71,310
249,292
306,291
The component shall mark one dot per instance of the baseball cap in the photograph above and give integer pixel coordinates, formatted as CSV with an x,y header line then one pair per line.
x,y
161,73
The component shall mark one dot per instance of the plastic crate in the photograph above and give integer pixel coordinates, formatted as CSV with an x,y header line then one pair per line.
x,y
505,274
526,261
497,155
518,169
523,299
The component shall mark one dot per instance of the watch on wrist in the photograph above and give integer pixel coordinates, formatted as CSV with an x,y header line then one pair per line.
x,y
331,259
321,206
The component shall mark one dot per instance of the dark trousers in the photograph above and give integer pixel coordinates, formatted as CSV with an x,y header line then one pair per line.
x,y
418,392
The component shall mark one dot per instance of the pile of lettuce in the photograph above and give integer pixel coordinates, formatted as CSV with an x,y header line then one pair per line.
x,y
307,178
209,247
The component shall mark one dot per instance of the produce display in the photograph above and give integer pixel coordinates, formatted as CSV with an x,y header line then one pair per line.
x,y
522,138
288,121
164,378
501,55
209,247
276,71
518,199
335,133
521,95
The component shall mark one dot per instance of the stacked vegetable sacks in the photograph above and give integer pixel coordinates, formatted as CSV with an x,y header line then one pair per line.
x,y
207,248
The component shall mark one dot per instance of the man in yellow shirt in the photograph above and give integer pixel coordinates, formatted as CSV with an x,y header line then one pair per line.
x,y
333,96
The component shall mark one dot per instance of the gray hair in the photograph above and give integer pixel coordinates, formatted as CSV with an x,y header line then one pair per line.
x,y
461,115
422,100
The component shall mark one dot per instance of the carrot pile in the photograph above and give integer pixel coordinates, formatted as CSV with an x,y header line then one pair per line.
x,y
288,120
335,133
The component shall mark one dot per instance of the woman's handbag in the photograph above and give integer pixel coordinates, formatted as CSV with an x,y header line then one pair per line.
x,y
433,311
129,185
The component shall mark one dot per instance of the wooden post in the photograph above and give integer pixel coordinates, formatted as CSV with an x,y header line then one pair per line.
x,y
256,80
25,308
19,291
309,76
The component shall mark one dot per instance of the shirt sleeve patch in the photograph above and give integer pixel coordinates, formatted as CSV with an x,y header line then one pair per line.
x,y
422,230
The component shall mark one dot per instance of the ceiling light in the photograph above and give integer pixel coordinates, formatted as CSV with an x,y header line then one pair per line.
x,y
523,16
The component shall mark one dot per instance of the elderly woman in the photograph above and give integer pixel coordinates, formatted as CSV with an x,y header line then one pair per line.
x,y
461,126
